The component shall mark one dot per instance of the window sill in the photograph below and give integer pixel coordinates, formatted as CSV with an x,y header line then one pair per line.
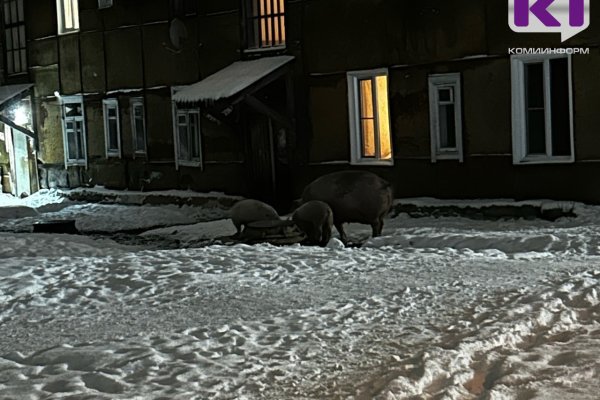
x,y
446,157
76,164
264,49
545,160
193,164
373,163
68,32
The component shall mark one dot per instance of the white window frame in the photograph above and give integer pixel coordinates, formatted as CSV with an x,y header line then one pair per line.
x,y
133,103
519,112
63,7
437,82
106,105
356,157
176,112
80,118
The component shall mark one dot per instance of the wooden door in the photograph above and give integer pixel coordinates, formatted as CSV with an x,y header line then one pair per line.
x,y
262,166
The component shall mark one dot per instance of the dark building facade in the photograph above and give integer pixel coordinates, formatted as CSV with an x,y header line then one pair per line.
x,y
258,97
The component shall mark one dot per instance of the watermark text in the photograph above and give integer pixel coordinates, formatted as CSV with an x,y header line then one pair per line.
x,y
548,51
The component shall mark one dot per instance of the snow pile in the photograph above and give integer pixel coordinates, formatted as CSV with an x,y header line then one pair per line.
x,y
131,197
105,218
37,200
119,212
15,211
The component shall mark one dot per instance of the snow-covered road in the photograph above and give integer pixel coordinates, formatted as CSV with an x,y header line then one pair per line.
x,y
437,308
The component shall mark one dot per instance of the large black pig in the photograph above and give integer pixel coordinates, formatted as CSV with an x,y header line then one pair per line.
x,y
354,196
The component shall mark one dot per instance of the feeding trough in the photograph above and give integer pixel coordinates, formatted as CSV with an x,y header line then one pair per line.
x,y
56,226
277,232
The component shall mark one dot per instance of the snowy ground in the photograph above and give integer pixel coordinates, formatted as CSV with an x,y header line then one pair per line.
x,y
437,308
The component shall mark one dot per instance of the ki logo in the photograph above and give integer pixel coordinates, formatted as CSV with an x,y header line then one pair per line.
x,y
569,17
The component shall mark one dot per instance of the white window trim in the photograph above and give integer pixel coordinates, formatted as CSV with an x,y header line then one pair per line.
x,y
354,113
187,163
62,30
519,118
135,101
73,162
436,82
106,103
174,112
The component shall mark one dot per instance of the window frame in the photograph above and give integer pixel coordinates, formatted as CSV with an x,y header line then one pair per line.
x,y
519,111
60,12
248,25
198,162
82,136
356,157
134,102
106,105
435,83
18,27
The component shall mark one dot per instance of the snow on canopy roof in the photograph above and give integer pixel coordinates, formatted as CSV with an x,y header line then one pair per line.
x,y
230,80
9,91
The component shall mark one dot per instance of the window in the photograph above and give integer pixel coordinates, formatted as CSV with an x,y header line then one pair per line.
x,y
445,109
14,37
542,109
265,21
370,137
138,125
68,16
74,130
187,137
112,128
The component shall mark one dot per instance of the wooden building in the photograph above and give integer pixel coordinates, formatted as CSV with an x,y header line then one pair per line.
x,y
258,97
457,98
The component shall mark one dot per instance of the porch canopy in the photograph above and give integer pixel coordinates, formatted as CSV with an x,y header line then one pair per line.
x,y
11,92
237,79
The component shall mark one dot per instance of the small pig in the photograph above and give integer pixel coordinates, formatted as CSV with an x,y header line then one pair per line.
x,y
315,219
354,196
247,211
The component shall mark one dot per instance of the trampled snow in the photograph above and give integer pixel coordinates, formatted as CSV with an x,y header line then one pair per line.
x,y
436,308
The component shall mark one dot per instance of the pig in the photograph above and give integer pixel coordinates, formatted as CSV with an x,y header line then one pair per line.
x,y
247,211
315,219
354,196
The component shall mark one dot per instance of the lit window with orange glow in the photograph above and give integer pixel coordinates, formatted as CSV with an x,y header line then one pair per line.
x,y
371,141
265,23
